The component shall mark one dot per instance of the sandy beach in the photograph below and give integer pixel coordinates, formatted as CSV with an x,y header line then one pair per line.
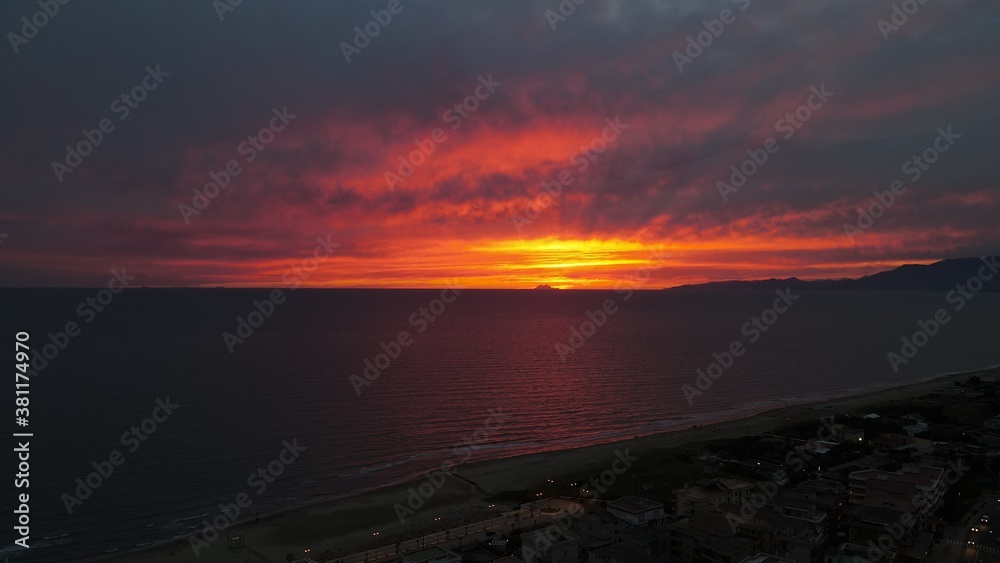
x,y
347,526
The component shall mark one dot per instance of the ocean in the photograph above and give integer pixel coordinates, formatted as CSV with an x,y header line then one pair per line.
x,y
619,371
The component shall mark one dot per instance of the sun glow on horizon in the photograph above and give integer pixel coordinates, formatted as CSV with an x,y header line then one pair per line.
x,y
566,263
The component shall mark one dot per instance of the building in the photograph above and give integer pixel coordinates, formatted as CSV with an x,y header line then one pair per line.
x,y
707,494
759,469
913,424
895,495
869,525
432,555
652,541
549,545
599,529
992,423
927,482
787,526
621,554
888,442
854,553
636,511
919,549
849,434
767,558
829,496
707,538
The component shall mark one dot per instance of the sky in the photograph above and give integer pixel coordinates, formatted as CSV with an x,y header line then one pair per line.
x,y
496,145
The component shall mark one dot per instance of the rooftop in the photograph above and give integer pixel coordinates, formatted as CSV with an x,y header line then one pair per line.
x,y
919,476
551,534
712,530
428,554
880,516
625,553
766,558
635,505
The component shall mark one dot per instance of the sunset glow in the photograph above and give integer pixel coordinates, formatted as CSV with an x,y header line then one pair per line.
x,y
562,157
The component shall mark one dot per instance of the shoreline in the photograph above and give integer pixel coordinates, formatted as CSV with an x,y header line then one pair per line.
x,y
343,524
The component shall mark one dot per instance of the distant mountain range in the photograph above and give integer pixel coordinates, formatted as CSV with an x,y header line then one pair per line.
x,y
939,276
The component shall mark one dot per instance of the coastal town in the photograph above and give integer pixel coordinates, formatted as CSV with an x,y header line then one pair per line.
x,y
915,480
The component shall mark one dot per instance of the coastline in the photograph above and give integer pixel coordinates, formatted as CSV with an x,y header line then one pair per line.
x,y
343,525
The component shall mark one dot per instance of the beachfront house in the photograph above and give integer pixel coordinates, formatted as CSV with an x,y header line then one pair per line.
x,y
636,511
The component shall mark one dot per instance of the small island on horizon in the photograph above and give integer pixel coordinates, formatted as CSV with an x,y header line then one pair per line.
x,y
546,286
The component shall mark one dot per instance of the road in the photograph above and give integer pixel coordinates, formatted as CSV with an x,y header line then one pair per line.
x,y
955,546
979,544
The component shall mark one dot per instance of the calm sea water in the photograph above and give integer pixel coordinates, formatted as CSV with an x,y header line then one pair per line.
x,y
486,350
